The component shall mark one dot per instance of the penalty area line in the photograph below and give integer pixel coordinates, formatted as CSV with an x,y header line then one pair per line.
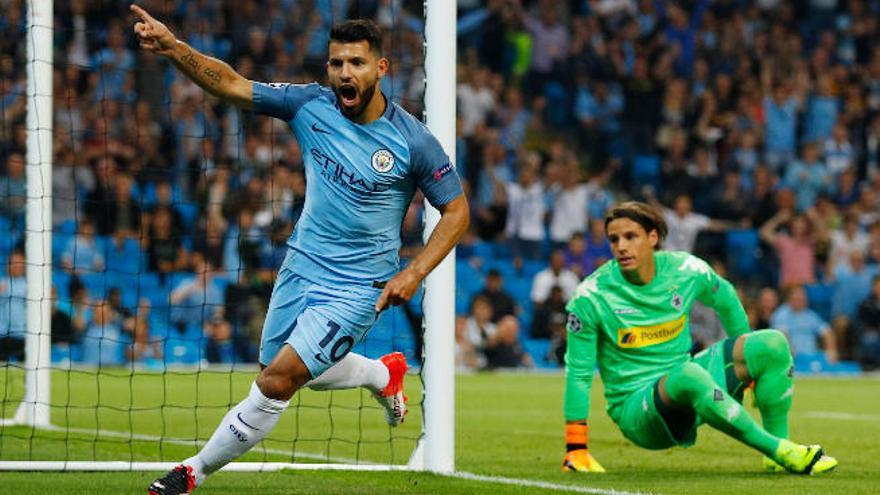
x,y
540,484
841,415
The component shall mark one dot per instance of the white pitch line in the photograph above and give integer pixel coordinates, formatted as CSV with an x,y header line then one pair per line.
x,y
842,415
190,442
343,460
540,484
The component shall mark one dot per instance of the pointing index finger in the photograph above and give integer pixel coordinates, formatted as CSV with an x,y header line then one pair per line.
x,y
143,14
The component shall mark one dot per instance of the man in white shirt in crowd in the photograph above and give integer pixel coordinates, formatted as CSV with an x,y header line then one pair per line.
x,y
685,225
570,200
526,210
554,275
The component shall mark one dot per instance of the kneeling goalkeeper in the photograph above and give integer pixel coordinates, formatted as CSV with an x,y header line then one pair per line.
x,y
631,316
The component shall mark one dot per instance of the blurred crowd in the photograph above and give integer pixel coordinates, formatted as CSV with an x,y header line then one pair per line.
x,y
754,126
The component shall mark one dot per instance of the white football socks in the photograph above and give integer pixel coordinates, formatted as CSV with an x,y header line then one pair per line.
x,y
353,371
243,427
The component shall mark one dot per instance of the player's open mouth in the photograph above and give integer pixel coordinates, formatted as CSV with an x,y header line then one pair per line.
x,y
625,260
348,95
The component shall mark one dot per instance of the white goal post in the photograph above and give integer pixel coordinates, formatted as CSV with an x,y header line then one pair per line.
x,y
435,449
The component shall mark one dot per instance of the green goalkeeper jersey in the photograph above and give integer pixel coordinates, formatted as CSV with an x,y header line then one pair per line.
x,y
638,333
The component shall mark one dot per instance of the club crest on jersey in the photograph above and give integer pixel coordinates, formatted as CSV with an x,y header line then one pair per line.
x,y
677,301
383,161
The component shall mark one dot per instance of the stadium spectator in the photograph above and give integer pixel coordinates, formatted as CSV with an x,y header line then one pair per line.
x,y
13,188
839,153
165,251
781,108
796,250
597,245
210,239
548,321
198,309
504,350
479,328
70,180
868,328
569,200
62,327
466,358
577,258
82,254
501,301
106,338
730,201
808,177
165,200
99,201
554,275
13,309
525,210
852,284
597,107
489,193
125,215
550,44
846,241
475,97
803,326
684,224
766,303
79,308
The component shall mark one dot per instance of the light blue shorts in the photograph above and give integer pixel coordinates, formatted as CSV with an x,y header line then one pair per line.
x,y
322,324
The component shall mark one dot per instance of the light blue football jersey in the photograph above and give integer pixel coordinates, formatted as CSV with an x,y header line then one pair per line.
x,y
360,179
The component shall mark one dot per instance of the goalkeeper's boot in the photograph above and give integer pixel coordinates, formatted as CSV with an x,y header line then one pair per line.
x,y
771,466
178,481
582,461
804,459
391,397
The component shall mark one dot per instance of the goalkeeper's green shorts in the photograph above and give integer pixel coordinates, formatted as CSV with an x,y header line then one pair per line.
x,y
648,423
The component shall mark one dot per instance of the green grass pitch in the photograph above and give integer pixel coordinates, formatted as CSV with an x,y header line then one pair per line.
x,y
508,426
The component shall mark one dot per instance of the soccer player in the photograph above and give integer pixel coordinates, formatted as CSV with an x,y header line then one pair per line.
x,y
364,157
631,317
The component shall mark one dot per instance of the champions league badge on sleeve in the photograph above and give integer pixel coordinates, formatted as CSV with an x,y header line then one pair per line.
x,y
383,161
574,323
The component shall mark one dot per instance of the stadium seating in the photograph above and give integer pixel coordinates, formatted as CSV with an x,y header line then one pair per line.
x,y
742,250
645,171
819,296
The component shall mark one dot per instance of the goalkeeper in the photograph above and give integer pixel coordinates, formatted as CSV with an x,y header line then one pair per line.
x,y
631,317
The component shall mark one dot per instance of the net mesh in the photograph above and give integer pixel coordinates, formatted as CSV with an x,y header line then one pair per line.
x,y
170,215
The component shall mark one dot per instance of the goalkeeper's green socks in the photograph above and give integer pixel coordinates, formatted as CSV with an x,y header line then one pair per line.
x,y
691,385
768,359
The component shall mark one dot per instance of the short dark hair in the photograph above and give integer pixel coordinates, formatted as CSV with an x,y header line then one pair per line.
x,y
642,214
355,30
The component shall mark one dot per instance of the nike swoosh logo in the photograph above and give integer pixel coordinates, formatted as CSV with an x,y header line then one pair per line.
x,y
246,424
319,130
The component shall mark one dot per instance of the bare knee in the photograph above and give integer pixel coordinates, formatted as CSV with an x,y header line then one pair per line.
x,y
284,376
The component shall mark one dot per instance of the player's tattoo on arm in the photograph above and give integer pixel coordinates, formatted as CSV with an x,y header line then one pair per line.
x,y
203,70
213,75
189,60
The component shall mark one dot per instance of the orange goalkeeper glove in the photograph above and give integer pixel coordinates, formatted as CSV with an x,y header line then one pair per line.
x,y
578,458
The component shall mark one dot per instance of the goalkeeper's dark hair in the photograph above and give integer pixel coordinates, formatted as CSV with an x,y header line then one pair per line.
x,y
355,30
641,213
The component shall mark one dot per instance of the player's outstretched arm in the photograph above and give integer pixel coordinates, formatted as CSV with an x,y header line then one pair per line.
x,y
214,76
454,221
